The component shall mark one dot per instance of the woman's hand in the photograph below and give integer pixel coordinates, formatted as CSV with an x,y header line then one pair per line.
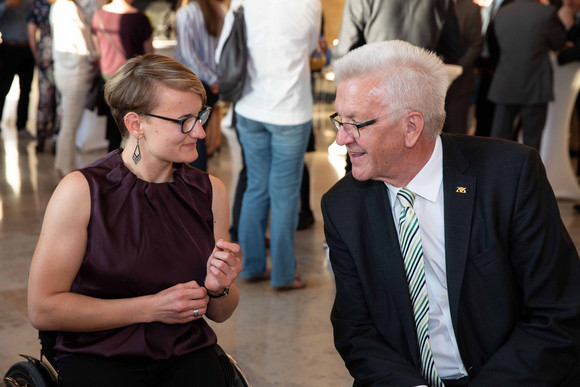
x,y
178,304
223,266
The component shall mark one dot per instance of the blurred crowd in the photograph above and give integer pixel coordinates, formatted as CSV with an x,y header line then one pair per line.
x,y
503,49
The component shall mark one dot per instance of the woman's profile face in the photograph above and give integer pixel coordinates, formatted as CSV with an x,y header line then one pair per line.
x,y
164,139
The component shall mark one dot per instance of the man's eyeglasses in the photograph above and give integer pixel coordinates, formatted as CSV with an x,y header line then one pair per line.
x,y
349,127
188,123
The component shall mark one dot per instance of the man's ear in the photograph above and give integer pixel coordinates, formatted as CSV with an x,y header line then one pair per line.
x,y
415,125
133,124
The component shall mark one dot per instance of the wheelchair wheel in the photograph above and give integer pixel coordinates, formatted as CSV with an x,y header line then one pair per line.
x,y
29,374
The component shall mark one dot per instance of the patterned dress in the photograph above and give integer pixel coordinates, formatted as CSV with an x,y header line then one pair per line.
x,y
47,119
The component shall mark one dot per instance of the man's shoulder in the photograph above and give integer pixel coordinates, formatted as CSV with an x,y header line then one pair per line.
x,y
477,145
485,154
348,189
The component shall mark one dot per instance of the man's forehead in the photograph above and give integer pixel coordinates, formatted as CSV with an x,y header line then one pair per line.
x,y
359,92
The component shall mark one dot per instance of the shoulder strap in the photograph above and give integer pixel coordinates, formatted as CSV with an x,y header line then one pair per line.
x,y
109,38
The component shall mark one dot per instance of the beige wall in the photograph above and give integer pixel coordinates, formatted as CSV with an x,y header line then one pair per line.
x,y
332,10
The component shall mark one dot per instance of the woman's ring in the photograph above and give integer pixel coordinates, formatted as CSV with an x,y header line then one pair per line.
x,y
195,313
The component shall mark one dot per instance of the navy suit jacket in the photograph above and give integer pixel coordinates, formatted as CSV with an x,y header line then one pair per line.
x,y
513,273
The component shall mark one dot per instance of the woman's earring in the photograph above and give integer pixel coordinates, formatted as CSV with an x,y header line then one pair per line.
x,y
137,153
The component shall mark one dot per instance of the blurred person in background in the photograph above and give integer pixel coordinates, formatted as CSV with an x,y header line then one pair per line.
x,y
89,7
199,24
568,14
486,64
40,40
16,58
522,85
273,121
122,32
460,92
76,62
431,24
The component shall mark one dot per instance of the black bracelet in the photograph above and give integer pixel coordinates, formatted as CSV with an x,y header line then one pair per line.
x,y
222,294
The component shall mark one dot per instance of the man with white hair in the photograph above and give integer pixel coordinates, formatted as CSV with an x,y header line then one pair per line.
x,y
452,264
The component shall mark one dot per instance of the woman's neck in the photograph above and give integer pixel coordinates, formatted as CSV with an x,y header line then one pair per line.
x,y
147,169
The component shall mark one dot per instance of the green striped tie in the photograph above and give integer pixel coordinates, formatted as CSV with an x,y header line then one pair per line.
x,y
412,251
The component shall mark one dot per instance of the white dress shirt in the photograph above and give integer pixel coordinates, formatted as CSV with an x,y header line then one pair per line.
x,y
428,187
281,35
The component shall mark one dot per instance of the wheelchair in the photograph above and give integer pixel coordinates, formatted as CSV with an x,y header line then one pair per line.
x,y
43,372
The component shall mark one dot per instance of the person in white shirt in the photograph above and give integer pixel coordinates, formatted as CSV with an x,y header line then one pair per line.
x,y
273,119
76,62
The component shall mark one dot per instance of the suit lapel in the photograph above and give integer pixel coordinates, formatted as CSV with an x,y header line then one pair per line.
x,y
459,191
391,273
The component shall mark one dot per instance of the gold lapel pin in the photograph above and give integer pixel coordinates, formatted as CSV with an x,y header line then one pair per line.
x,y
461,190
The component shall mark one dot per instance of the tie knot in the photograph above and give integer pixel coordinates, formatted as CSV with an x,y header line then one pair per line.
x,y
406,197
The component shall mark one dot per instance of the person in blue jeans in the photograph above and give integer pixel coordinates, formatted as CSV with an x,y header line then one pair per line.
x,y
274,157
273,121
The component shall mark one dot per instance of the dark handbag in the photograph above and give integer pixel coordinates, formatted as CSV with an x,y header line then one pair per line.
x,y
231,69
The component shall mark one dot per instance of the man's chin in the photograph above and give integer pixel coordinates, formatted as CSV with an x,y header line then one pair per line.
x,y
359,174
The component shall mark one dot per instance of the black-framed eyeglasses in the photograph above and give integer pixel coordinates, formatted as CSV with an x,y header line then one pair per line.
x,y
188,123
350,126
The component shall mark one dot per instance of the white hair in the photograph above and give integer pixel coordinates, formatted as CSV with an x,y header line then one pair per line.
x,y
412,78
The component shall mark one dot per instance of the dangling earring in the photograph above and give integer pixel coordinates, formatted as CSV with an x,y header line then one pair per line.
x,y
137,153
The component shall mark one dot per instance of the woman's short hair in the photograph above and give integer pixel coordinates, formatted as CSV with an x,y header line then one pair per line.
x,y
412,78
135,86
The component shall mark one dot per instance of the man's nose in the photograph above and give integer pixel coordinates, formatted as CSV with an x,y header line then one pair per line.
x,y
342,138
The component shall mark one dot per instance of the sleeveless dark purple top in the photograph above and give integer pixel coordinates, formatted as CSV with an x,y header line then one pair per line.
x,y
143,238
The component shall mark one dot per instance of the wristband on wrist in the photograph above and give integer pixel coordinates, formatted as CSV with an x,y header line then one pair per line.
x,y
222,294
